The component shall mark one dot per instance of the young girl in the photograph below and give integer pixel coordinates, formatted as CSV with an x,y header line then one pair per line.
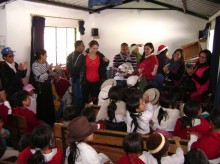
x,y
20,101
191,122
113,110
164,118
33,96
133,146
158,146
138,114
40,150
79,152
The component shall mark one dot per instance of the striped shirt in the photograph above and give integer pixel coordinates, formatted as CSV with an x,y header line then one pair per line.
x,y
119,59
40,71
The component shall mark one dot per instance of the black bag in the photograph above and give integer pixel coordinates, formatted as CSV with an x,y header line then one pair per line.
x,y
117,126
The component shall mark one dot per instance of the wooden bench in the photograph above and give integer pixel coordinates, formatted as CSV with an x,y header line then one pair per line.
x,y
107,141
17,126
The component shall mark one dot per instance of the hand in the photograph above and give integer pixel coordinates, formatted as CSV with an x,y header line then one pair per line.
x,y
165,69
146,97
51,67
58,67
176,138
25,65
3,96
105,59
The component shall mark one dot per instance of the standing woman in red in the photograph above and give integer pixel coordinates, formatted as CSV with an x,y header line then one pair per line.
x,y
93,73
201,74
148,64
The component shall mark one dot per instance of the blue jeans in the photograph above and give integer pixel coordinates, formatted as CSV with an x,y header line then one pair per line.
x,y
77,98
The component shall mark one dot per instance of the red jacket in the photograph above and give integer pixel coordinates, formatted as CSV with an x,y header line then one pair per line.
x,y
203,128
130,158
30,117
209,144
26,153
149,66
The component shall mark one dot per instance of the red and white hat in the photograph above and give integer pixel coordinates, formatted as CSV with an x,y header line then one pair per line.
x,y
161,48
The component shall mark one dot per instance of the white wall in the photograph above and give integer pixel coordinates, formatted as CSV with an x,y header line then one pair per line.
x,y
171,28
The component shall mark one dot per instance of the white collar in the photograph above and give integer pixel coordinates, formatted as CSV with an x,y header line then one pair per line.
x,y
148,55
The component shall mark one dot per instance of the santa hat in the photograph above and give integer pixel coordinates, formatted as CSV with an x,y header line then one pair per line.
x,y
161,48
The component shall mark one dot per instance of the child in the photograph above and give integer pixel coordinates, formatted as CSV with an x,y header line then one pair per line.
x,y
196,156
164,118
5,107
40,150
158,146
210,143
33,96
191,122
70,113
133,146
21,101
80,132
139,114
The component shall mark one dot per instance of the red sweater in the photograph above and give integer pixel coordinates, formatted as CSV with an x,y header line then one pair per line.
x,y
203,128
209,144
61,86
30,117
149,66
26,153
130,158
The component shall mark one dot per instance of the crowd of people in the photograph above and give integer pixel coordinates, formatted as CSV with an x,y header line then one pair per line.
x,y
148,94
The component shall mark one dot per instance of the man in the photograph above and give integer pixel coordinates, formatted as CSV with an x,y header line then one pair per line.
x,y
74,65
124,57
11,73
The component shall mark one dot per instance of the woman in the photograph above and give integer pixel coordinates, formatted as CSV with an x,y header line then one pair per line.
x,y
148,64
200,74
175,69
93,72
42,76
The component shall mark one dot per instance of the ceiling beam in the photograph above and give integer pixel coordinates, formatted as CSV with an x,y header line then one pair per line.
x,y
129,8
178,9
60,5
184,6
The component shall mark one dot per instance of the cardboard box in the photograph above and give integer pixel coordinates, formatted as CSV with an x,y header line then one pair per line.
x,y
191,50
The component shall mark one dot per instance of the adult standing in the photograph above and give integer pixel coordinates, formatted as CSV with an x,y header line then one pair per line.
x,y
42,76
121,58
93,73
74,65
11,72
148,64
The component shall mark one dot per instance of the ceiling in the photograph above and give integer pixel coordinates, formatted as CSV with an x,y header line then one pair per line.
x,y
200,8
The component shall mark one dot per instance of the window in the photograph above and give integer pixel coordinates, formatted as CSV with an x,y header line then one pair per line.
x,y
59,43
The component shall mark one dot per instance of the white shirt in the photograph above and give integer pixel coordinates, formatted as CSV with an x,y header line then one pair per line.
x,y
49,156
87,155
143,120
147,158
167,124
177,158
33,104
12,66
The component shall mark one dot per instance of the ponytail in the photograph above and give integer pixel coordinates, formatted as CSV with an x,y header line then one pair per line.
x,y
186,121
134,121
111,110
162,114
73,153
37,158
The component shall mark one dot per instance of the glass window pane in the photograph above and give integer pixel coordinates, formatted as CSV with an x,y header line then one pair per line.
x,y
70,40
50,44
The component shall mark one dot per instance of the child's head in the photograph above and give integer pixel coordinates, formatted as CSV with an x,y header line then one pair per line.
x,y
89,113
130,92
133,143
29,88
80,129
196,156
20,99
215,118
70,112
158,145
41,138
24,142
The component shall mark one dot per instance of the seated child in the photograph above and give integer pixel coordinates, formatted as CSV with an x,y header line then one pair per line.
x,y
80,132
33,96
70,113
21,101
191,122
133,146
196,156
40,150
158,146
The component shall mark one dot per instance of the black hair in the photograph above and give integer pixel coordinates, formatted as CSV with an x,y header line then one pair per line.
x,y
176,92
130,92
1,120
17,98
165,103
208,55
149,44
133,44
24,142
74,153
93,42
215,118
89,113
39,53
70,112
78,43
132,104
133,143
114,96
163,53
41,137
181,53
190,109
196,156
124,44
